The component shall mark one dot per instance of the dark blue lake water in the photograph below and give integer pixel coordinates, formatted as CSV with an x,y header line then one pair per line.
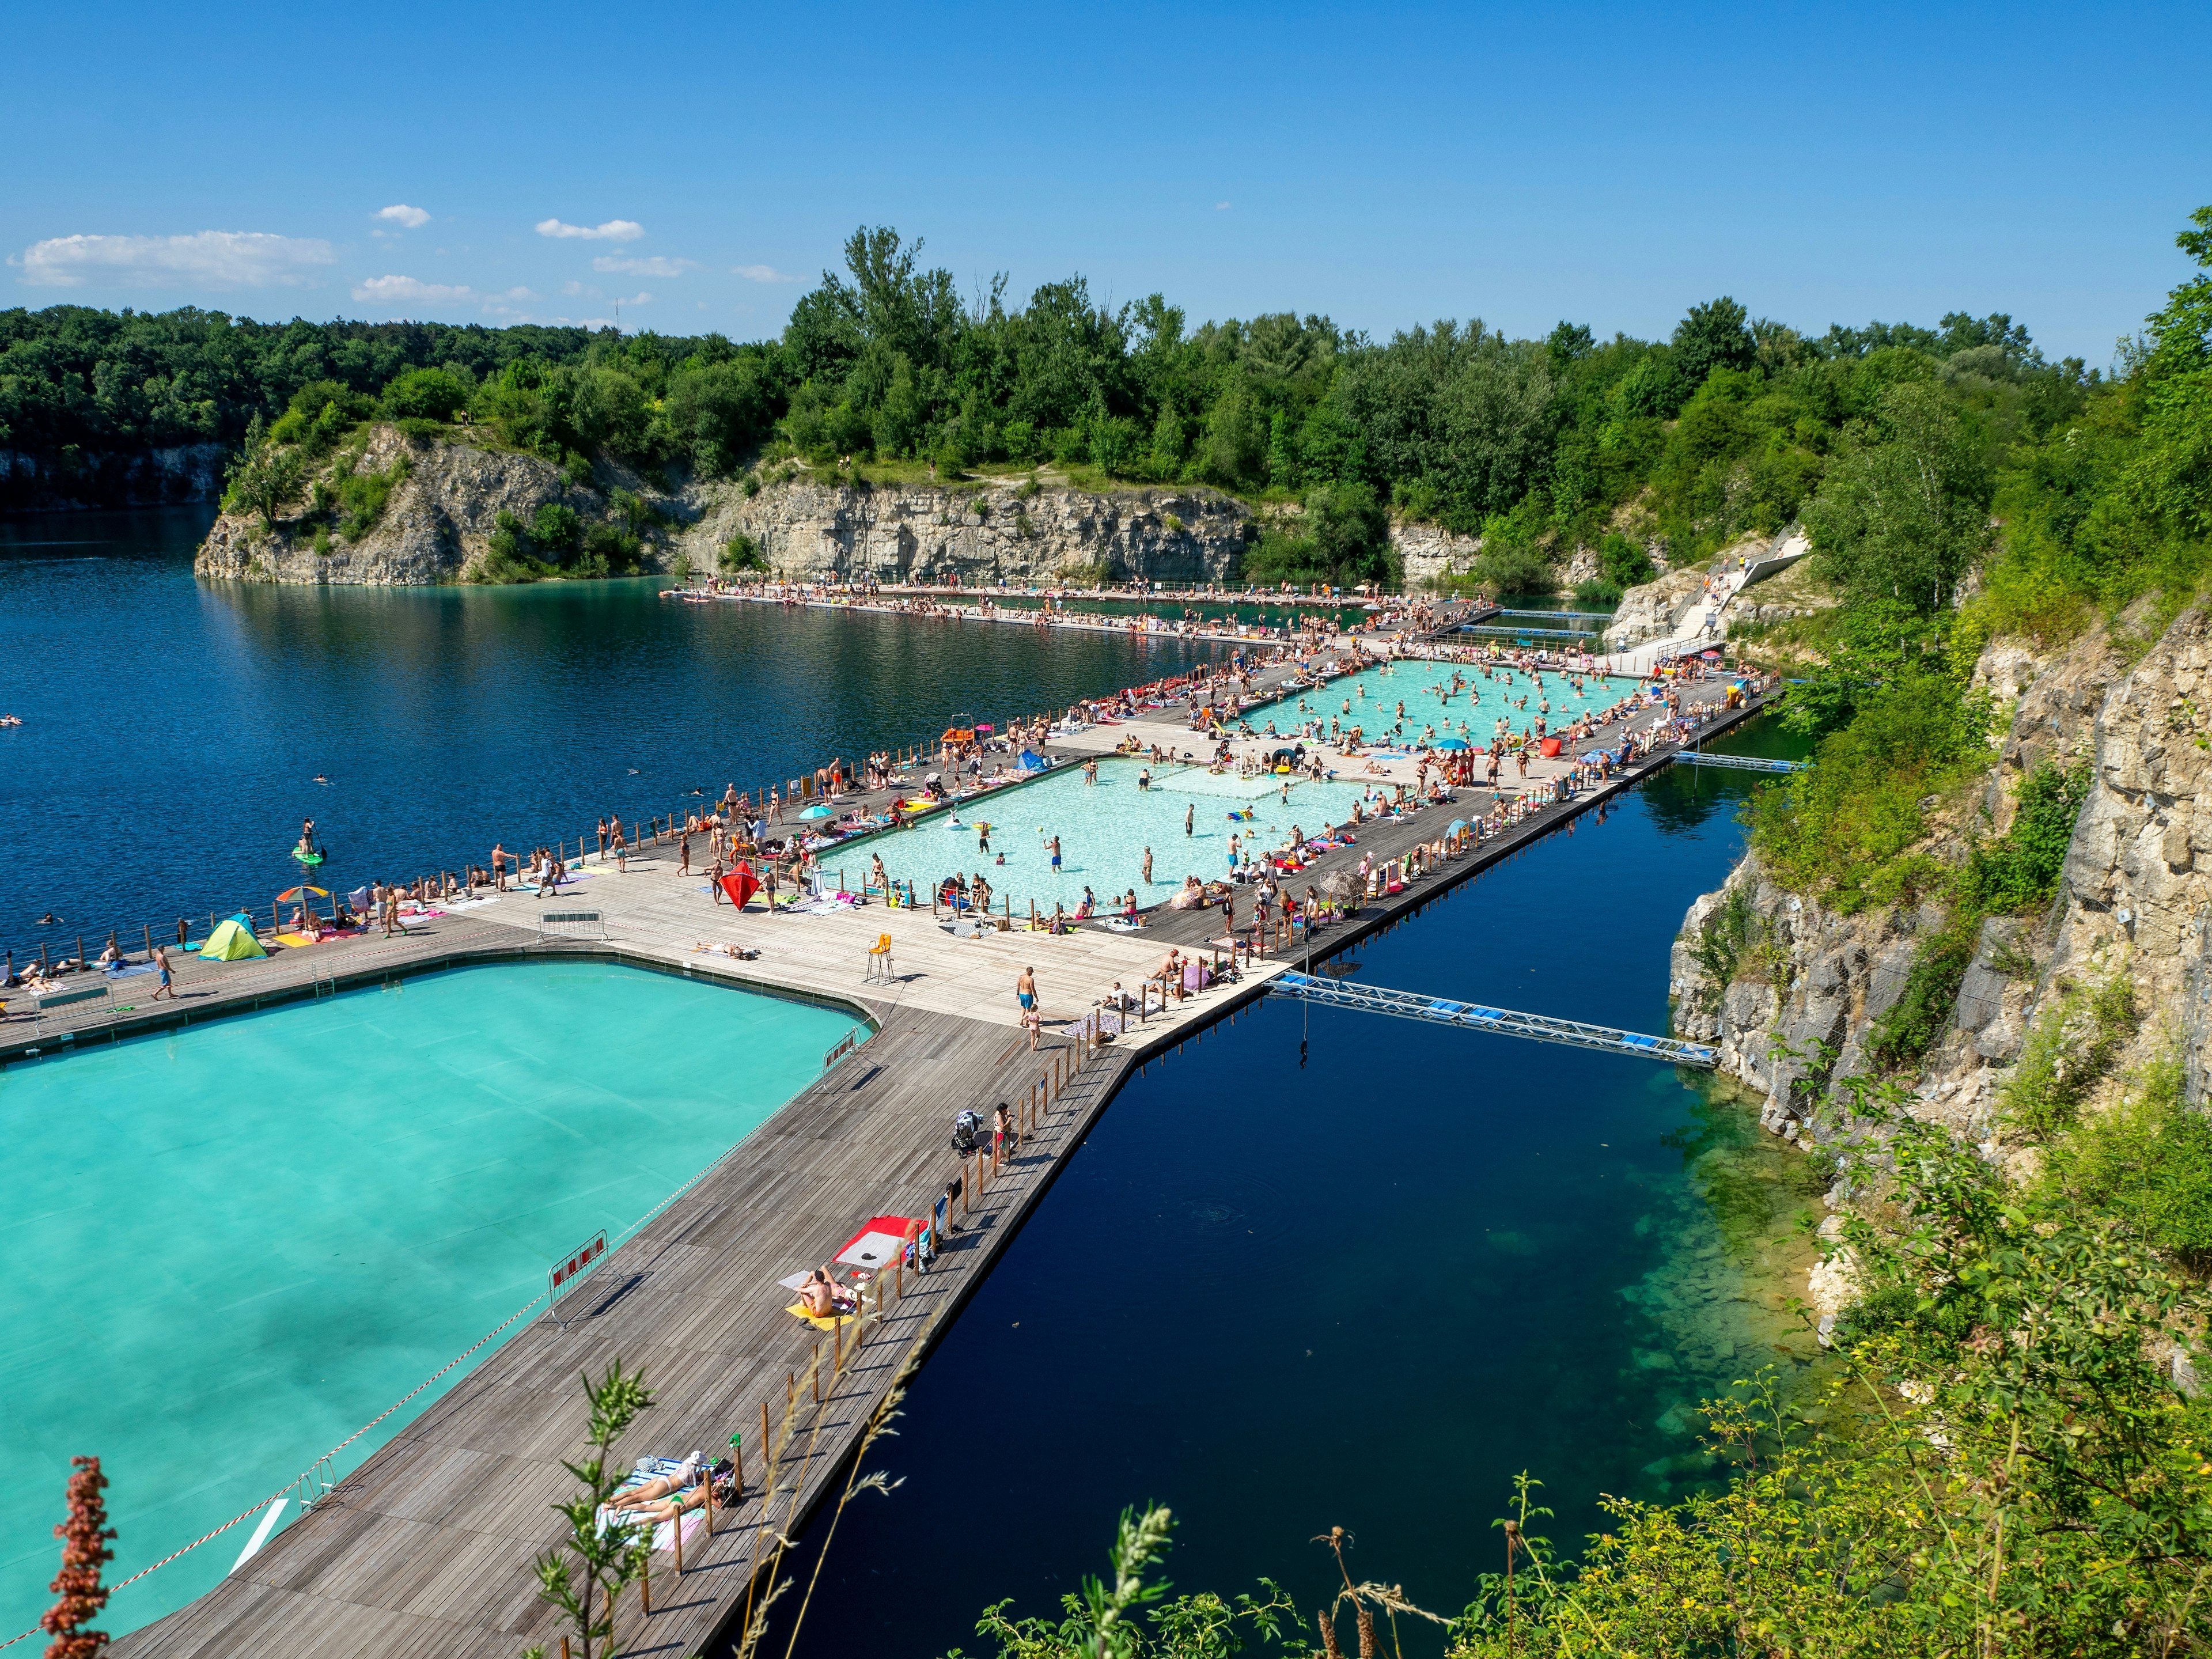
x,y
172,728
1364,1288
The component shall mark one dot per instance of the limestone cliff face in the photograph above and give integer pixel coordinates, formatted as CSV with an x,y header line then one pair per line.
x,y
982,534
1429,552
438,520
1655,610
2137,889
2134,901
153,477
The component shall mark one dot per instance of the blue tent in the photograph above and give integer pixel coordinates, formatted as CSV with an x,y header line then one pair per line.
x,y
1031,761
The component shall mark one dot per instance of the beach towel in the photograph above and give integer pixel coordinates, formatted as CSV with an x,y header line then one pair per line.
x,y
820,1321
878,1243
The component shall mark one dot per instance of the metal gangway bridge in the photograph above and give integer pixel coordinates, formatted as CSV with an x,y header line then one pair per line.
x,y
1739,763
1473,1017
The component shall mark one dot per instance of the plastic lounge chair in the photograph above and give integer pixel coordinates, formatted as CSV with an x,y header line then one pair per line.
x,y
879,958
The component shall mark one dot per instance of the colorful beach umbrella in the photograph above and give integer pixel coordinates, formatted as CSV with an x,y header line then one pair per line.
x,y
291,895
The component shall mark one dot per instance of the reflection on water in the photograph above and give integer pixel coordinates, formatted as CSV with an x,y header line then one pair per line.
x,y
1318,1268
172,729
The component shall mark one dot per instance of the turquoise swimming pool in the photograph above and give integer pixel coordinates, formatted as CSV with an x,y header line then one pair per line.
x,y
1434,706
1104,829
228,1249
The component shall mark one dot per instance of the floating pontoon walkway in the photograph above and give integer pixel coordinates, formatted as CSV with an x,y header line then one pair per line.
x,y
1740,762
1411,1005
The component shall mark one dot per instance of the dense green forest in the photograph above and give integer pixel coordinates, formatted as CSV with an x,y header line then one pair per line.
x,y
1541,447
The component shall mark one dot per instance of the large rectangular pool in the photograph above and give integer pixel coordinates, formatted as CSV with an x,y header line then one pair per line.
x,y
227,1249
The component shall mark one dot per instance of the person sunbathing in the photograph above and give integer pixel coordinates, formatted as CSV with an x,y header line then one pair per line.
x,y
643,1496
667,1496
824,1297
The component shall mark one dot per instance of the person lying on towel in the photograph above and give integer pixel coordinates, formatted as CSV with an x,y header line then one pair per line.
x,y
667,1496
824,1297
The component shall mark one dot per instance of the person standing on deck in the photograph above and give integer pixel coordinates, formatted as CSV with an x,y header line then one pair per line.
x,y
499,868
603,841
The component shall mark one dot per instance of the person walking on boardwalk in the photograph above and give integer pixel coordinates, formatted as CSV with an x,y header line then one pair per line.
x,y
168,987
1025,991
603,841
684,859
1002,1133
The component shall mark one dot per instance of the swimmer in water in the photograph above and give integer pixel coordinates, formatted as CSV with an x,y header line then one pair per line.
x,y
319,778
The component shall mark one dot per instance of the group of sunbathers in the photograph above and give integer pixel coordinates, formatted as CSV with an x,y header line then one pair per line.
x,y
664,1497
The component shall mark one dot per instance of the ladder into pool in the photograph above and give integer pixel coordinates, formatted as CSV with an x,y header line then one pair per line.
x,y
1543,1027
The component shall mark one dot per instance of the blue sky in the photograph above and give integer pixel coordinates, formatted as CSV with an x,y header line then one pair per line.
x,y
1608,164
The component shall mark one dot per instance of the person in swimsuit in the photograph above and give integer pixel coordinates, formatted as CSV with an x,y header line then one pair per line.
x,y
1025,991
166,989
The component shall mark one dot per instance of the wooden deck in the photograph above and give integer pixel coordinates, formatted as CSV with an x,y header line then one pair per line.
x,y
426,1550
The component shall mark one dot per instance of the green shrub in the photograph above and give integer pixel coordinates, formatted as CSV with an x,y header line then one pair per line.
x,y
1924,1008
425,394
741,552
362,496
1513,569
1602,595
2020,872
608,550
1725,934
1624,563
2150,1161
556,530
1844,828
2067,1054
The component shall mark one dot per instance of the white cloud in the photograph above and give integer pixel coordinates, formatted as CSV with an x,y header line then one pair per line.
x,y
1221,207
615,230
400,213
655,266
762,274
213,259
402,290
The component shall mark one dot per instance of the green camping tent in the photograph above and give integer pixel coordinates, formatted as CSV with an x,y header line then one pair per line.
x,y
231,940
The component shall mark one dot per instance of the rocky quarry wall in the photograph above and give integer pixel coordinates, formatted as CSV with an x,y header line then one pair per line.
x,y
980,534
2134,899
437,521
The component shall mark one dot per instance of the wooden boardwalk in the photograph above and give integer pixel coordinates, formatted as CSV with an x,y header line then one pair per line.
x,y
426,1549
